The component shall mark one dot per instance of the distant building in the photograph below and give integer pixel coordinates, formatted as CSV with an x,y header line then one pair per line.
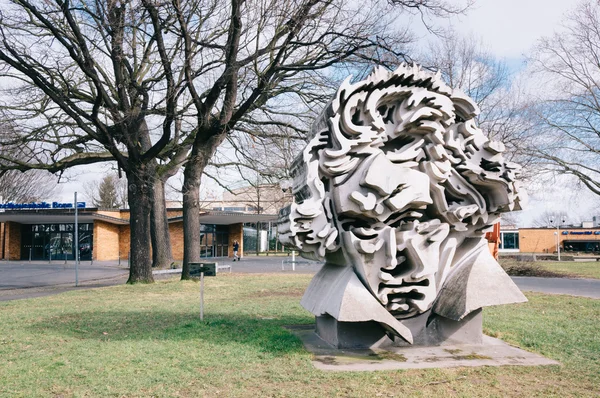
x,y
584,238
261,199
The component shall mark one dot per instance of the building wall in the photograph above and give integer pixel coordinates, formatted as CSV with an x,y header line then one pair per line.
x,y
543,240
171,213
110,213
12,231
2,241
176,235
236,232
106,241
124,241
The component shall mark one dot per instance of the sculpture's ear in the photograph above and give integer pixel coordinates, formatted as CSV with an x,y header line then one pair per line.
x,y
479,282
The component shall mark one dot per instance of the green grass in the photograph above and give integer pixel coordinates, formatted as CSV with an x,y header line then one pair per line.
x,y
147,340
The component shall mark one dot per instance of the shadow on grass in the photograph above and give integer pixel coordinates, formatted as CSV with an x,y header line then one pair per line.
x,y
266,334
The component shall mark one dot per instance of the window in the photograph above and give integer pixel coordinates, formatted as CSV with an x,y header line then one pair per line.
x,y
509,241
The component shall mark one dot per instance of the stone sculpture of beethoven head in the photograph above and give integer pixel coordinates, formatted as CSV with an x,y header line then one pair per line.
x,y
398,182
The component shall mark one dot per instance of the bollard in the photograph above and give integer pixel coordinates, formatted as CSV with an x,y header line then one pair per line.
x,y
50,256
30,254
65,258
119,259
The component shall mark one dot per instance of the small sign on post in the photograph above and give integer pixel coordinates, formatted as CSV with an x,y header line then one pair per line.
x,y
202,269
209,269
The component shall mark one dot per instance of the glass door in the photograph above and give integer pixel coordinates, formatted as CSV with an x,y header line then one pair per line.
x,y
66,246
38,245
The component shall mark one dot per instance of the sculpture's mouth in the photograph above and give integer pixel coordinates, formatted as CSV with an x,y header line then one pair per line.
x,y
405,298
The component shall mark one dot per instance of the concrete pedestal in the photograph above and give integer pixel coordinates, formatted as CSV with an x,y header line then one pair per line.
x,y
428,330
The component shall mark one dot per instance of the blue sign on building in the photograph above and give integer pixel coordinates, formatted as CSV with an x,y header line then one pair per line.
x,y
41,205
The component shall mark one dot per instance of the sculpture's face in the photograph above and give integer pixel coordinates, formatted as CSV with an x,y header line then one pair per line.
x,y
397,263
403,179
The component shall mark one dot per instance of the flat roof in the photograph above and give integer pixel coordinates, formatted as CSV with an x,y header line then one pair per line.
x,y
56,216
67,216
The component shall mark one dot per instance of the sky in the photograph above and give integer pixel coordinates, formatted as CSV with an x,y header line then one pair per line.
x,y
511,27
508,29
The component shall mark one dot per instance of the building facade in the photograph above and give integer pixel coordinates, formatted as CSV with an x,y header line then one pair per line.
x,y
569,239
103,235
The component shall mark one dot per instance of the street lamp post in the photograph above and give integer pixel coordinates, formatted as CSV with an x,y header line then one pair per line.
x,y
557,233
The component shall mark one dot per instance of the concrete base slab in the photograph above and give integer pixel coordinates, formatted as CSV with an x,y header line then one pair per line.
x,y
492,352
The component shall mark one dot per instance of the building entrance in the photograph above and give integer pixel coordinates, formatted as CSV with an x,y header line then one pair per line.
x,y
55,241
214,240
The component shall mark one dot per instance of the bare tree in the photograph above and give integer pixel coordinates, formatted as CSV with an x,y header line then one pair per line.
x,y
92,82
110,193
552,219
466,65
29,186
267,53
153,85
18,186
567,115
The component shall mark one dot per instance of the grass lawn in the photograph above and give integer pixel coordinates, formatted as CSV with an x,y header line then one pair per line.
x,y
587,269
147,340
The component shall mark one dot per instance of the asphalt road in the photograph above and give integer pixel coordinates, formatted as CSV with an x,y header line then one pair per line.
x,y
20,275
24,280
574,287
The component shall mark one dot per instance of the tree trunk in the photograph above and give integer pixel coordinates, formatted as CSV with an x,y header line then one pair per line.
x,y
140,206
191,215
198,159
162,255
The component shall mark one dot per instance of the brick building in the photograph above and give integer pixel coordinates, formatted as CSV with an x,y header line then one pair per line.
x,y
263,198
570,239
49,233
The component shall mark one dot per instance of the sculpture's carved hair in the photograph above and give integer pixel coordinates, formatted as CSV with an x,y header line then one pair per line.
x,y
417,120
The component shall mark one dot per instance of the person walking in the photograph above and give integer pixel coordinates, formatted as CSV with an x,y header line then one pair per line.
x,y
236,248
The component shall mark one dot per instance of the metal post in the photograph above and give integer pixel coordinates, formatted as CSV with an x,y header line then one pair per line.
x,y
76,244
30,254
201,296
293,260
